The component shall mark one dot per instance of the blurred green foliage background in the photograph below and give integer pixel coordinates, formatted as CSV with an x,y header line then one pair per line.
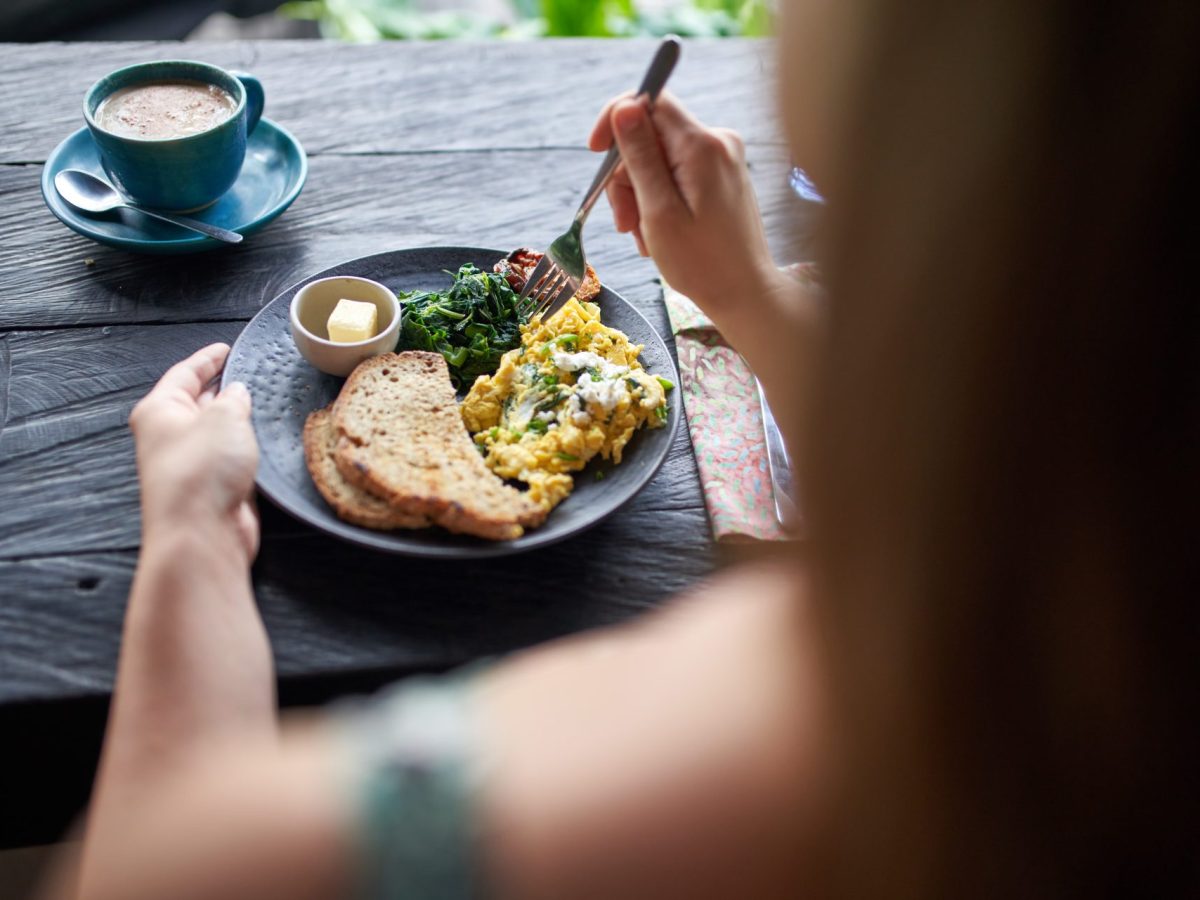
x,y
373,20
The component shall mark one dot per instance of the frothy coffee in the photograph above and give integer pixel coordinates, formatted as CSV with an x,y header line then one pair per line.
x,y
161,110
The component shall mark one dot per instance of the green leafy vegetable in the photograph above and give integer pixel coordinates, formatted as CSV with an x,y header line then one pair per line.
x,y
667,383
567,456
472,324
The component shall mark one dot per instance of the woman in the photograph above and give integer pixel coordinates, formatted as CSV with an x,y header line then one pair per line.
x,y
971,686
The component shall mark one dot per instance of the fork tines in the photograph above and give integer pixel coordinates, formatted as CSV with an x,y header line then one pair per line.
x,y
545,284
560,283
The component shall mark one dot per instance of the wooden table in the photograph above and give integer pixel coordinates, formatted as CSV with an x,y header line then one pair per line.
x,y
409,145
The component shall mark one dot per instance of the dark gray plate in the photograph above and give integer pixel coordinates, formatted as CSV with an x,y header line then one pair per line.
x,y
286,389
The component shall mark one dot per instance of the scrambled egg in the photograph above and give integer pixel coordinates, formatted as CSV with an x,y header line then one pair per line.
x,y
572,390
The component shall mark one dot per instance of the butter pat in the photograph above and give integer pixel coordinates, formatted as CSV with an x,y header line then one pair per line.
x,y
352,321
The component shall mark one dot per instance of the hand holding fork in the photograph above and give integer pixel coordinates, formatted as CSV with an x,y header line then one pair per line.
x,y
563,266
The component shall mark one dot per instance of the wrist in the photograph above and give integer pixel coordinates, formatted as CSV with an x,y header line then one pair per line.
x,y
174,498
204,538
759,286
764,307
795,304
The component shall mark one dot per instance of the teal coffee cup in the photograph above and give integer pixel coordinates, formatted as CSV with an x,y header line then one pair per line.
x,y
183,173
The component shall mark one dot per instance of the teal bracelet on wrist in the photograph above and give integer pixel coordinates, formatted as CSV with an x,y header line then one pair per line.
x,y
414,787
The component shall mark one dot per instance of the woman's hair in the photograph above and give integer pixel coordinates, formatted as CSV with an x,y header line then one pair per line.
x,y
1003,477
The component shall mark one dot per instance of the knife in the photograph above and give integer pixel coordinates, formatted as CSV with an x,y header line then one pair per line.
x,y
779,465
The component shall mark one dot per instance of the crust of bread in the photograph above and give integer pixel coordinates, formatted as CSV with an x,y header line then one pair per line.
x,y
401,438
350,503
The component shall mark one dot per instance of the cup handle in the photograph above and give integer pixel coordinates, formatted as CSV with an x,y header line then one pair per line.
x,y
254,98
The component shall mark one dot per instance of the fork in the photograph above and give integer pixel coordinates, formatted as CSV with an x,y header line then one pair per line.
x,y
562,268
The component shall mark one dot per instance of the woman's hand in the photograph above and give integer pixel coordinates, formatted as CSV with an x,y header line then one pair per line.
x,y
196,452
684,192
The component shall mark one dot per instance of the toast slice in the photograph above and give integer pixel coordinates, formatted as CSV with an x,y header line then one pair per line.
x,y
351,504
401,438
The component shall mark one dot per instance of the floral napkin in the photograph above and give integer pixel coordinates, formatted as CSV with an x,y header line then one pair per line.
x,y
726,425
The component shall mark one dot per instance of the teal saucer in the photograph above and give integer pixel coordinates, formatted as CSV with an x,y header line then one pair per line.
x,y
272,177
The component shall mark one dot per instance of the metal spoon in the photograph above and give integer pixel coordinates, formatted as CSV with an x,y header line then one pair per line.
x,y
85,191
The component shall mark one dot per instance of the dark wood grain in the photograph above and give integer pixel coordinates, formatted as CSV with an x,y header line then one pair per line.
x,y
351,206
332,608
67,476
401,97
410,145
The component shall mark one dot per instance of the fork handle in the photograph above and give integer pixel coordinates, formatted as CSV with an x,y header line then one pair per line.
x,y
656,76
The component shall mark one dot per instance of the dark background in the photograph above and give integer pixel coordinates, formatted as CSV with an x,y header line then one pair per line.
x,y
126,20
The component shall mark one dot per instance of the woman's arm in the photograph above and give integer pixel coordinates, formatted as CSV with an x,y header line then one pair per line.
x,y
667,758
195,666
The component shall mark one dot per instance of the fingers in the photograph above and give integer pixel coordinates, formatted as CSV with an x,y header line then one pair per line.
x,y
233,406
192,374
185,381
249,527
671,115
208,395
657,194
601,137
668,113
623,201
234,401
734,145
225,420
641,243
225,428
